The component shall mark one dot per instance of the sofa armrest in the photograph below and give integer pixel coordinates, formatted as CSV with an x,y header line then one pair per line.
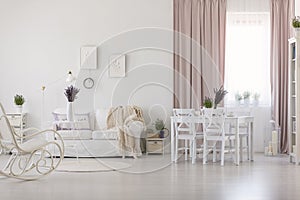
x,y
54,125
135,128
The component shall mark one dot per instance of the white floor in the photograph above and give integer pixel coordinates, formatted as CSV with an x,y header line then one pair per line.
x,y
153,177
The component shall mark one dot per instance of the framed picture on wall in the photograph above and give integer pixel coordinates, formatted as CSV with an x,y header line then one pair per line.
x,y
88,57
117,66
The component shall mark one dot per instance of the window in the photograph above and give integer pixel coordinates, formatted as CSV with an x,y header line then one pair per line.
x,y
247,56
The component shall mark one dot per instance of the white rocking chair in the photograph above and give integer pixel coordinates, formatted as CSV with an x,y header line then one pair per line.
x,y
31,159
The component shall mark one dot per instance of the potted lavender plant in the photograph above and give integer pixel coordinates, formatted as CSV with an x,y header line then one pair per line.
x,y
219,95
70,93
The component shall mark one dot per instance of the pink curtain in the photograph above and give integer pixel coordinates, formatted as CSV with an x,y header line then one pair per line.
x,y
199,50
281,14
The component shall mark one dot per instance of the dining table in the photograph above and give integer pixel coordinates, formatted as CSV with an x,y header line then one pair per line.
x,y
233,120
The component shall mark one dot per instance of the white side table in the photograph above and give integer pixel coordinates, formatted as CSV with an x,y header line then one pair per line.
x,y
17,121
155,145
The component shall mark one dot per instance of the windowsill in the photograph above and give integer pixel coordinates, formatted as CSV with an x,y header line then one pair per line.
x,y
249,106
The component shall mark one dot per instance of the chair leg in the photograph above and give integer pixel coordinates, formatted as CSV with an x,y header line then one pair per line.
x,y
230,148
222,152
185,149
215,152
176,150
11,158
191,148
193,151
241,149
248,148
204,151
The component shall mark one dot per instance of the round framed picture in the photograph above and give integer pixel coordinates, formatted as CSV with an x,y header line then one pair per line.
x,y
88,83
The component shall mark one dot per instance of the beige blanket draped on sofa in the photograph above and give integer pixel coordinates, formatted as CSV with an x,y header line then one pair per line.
x,y
120,117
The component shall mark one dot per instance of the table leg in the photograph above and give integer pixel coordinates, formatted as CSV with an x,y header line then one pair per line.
x,y
237,143
251,141
172,140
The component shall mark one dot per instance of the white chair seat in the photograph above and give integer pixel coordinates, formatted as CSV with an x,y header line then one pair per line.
x,y
33,144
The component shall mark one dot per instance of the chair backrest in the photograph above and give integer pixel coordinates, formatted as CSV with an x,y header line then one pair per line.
x,y
2,110
6,131
214,121
184,121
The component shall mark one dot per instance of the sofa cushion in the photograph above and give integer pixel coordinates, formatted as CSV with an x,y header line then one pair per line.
x,y
111,134
59,117
76,134
82,122
101,115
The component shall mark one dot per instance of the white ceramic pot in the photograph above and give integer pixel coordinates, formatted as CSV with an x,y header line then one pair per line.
x,y
297,32
70,112
19,108
246,102
237,103
255,102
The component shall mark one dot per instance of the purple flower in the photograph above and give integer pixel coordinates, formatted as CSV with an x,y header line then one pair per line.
x,y
71,93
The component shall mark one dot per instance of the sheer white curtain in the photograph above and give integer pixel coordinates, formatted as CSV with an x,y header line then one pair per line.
x,y
247,66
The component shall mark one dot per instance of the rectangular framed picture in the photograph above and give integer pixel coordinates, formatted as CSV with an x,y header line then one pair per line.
x,y
88,57
117,66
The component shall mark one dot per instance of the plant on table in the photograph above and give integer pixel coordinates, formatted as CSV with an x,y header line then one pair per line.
x,y
219,95
256,98
19,100
71,92
160,126
246,95
296,22
238,96
208,102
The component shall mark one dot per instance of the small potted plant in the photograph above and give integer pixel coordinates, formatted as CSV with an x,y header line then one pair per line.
x,y
219,95
296,25
208,102
70,93
160,126
19,101
256,99
238,98
246,97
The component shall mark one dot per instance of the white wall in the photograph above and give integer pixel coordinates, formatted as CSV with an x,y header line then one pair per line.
x,y
40,42
297,7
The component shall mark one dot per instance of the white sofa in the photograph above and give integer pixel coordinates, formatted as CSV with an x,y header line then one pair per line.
x,y
88,136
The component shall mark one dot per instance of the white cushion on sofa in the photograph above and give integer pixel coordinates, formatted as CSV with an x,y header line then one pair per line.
x,y
101,115
82,121
111,134
76,134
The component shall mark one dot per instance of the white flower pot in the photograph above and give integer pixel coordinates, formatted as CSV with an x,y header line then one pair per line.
x,y
297,32
246,102
237,103
19,108
255,102
70,112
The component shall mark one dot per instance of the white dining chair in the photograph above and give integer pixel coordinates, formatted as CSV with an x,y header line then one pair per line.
x,y
185,129
244,130
214,133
